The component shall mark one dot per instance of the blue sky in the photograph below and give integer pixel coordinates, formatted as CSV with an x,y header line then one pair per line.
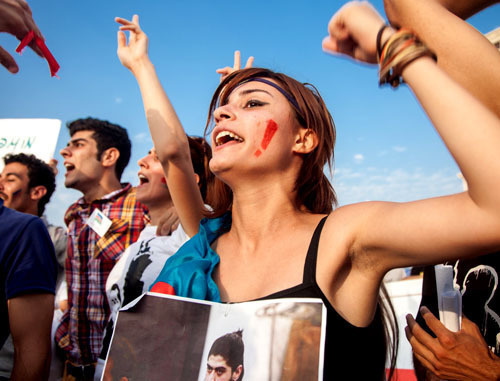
x,y
386,148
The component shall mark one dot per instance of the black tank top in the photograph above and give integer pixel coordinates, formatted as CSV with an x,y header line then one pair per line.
x,y
351,353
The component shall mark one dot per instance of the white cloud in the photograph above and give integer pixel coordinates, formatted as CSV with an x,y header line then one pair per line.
x,y
399,148
142,137
383,153
118,100
358,158
393,185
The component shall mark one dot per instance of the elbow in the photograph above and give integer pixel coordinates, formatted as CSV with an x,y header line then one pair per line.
x,y
174,151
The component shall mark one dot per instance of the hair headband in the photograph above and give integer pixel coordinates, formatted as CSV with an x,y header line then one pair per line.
x,y
267,82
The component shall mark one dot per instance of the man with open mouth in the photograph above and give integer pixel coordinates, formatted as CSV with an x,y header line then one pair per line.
x,y
101,225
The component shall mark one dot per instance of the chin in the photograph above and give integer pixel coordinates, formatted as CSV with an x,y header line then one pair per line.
x,y
141,199
218,167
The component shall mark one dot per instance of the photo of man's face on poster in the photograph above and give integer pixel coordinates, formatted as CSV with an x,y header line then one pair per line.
x,y
225,359
177,339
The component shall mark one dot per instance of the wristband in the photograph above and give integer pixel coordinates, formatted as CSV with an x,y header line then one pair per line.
x,y
379,38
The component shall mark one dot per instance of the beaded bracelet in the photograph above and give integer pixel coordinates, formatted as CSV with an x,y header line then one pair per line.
x,y
402,48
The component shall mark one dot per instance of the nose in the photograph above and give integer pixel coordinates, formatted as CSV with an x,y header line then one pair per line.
x,y
65,152
142,162
222,113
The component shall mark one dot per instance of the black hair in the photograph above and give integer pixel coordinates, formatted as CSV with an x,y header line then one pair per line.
x,y
201,153
231,348
107,135
39,173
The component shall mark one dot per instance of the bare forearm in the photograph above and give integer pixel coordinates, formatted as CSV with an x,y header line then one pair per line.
x,y
30,320
463,52
470,131
466,8
171,146
31,364
165,127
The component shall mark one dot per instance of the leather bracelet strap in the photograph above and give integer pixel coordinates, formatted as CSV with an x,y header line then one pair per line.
x,y
379,40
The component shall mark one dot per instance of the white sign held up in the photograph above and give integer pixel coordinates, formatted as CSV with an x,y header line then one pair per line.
x,y
30,136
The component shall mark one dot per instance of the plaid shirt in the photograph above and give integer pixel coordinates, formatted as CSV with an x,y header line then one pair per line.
x,y
89,262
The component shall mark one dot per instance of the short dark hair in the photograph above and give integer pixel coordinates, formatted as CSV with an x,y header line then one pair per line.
x,y
107,135
201,153
39,173
231,348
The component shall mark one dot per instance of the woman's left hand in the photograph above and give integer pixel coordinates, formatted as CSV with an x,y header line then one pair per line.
x,y
353,32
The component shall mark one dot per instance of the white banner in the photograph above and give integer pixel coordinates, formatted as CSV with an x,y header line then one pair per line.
x,y
30,136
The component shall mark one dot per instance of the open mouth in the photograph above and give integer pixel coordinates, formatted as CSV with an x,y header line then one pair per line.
x,y
142,179
69,167
224,137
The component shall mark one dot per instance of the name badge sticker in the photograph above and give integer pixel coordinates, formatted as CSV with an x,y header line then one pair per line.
x,y
98,222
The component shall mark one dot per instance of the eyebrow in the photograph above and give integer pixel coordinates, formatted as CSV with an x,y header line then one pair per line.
x,y
249,91
73,141
13,174
217,369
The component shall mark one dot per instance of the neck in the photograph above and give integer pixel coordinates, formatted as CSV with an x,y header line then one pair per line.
x,y
261,208
101,188
32,209
157,211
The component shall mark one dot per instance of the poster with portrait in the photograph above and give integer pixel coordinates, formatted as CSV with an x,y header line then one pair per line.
x,y
30,136
162,337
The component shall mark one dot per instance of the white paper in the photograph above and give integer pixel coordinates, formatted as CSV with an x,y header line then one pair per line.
x,y
98,222
30,136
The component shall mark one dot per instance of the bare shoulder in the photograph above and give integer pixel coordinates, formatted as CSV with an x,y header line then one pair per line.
x,y
349,283
344,224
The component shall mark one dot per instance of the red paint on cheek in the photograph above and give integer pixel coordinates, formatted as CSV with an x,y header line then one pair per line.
x,y
163,180
271,129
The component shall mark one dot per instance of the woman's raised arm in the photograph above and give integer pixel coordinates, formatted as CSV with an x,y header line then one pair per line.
x,y
432,230
168,135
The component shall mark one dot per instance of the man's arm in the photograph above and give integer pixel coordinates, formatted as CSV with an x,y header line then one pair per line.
x,y
462,51
461,355
30,320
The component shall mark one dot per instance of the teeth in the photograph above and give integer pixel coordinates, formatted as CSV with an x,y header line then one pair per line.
x,y
68,166
143,179
222,134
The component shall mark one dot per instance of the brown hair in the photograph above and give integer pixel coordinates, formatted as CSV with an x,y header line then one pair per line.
x,y
314,191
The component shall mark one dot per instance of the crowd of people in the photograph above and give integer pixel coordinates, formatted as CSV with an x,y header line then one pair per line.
x,y
250,214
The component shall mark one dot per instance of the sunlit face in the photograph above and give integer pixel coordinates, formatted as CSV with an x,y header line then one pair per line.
x,y
83,169
255,129
152,186
218,370
14,189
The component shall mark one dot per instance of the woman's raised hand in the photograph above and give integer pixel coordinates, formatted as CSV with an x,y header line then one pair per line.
x,y
225,71
136,50
353,32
